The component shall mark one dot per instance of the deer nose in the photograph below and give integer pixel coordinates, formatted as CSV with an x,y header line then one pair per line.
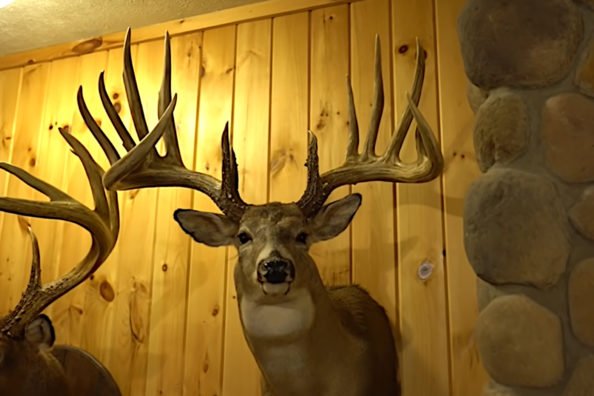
x,y
276,270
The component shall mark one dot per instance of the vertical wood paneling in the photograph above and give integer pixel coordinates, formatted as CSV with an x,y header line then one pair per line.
x,y
53,155
162,311
98,292
15,247
328,115
423,306
250,140
374,260
467,374
289,106
10,84
127,356
172,247
206,298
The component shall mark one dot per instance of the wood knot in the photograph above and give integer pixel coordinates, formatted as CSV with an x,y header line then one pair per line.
x,y
164,267
215,310
403,49
115,96
117,106
106,291
87,46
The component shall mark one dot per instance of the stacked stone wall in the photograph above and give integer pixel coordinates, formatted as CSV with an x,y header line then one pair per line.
x,y
529,219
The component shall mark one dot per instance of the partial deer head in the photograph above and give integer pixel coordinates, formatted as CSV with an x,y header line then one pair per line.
x,y
26,365
279,289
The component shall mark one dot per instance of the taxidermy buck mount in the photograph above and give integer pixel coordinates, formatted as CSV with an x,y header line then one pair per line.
x,y
307,339
28,366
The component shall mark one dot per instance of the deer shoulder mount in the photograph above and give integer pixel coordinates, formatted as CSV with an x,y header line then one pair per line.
x,y
307,339
27,365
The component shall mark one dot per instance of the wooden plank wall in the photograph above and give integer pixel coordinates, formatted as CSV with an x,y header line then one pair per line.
x,y
161,313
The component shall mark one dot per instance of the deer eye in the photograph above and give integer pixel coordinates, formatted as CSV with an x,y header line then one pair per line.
x,y
301,238
244,237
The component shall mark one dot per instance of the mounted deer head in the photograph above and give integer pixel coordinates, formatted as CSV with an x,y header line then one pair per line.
x,y
294,326
27,366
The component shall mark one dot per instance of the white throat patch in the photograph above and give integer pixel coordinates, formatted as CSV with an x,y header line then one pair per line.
x,y
289,318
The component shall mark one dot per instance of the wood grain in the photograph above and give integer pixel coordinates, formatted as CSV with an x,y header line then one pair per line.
x,y
15,247
468,376
423,305
328,116
172,246
10,85
250,140
374,261
207,276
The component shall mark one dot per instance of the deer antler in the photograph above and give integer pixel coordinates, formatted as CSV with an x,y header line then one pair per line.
x,y
368,166
102,223
143,166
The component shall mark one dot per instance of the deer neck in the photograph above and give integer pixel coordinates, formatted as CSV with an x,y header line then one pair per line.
x,y
290,339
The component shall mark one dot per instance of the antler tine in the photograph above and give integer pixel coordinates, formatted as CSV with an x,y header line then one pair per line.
x,y
131,86
367,166
393,151
170,135
378,104
101,222
353,145
34,283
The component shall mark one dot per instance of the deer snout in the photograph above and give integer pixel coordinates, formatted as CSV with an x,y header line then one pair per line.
x,y
276,270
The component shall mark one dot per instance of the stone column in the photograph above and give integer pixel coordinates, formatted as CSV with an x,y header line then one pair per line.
x,y
529,219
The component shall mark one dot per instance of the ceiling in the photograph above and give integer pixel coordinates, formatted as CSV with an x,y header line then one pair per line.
x,y
30,24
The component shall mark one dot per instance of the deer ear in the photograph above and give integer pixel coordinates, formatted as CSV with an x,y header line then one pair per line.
x,y
211,229
335,217
41,332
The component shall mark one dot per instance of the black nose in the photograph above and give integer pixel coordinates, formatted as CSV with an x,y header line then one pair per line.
x,y
276,270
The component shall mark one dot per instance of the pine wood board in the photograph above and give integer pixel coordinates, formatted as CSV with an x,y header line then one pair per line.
x,y
328,117
423,304
250,141
53,158
207,273
10,85
98,292
172,246
468,376
15,246
374,261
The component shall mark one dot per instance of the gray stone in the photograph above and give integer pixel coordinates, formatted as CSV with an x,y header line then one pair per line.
x,y
581,296
515,229
501,129
528,43
582,214
582,379
520,342
568,134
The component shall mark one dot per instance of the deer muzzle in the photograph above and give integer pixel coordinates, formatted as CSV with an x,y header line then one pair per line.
x,y
276,270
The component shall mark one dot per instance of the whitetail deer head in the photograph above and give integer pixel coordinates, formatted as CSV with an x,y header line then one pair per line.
x,y
26,365
292,323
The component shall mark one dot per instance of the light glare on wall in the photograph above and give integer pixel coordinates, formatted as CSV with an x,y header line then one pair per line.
x,y
4,3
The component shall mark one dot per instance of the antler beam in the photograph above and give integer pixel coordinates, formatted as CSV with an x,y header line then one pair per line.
x,y
102,223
